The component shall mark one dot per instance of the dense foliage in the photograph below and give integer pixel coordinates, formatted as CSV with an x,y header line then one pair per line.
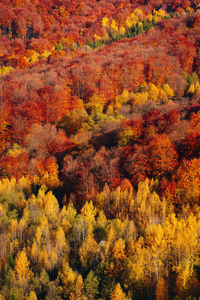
x,y
99,149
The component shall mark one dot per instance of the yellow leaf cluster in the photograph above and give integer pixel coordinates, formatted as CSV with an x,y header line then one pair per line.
x,y
89,212
114,26
5,70
194,88
158,15
16,150
151,93
105,22
46,54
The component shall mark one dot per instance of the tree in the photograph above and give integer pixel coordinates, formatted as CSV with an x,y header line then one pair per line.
x,y
135,164
118,293
50,205
22,270
137,272
118,253
45,141
14,163
4,133
189,147
78,293
187,182
147,206
88,251
61,243
67,217
68,277
54,102
104,166
184,279
47,173
32,296
163,156
74,120
89,212
91,286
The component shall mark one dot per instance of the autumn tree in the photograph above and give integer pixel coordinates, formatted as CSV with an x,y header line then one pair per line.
x,y
163,156
78,292
135,164
187,183
88,251
22,270
118,293
45,141
68,277
46,173
32,296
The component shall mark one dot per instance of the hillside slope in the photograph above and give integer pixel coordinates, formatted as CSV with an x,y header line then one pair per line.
x,y
99,149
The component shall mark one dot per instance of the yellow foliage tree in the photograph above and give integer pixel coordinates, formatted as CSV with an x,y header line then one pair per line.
x,y
118,293
5,70
101,219
89,212
68,277
78,293
32,296
50,204
34,251
183,282
119,256
22,270
105,22
88,251
139,98
118,250
43,259
67,217
139,264
153,92
44,228
110,239
114,26
61,243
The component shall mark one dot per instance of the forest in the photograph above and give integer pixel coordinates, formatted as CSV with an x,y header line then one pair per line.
x,y
99,149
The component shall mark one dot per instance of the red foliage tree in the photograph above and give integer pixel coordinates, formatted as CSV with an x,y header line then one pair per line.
x,y
162,155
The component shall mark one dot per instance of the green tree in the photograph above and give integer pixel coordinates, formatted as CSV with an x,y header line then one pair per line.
x,y
91,285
